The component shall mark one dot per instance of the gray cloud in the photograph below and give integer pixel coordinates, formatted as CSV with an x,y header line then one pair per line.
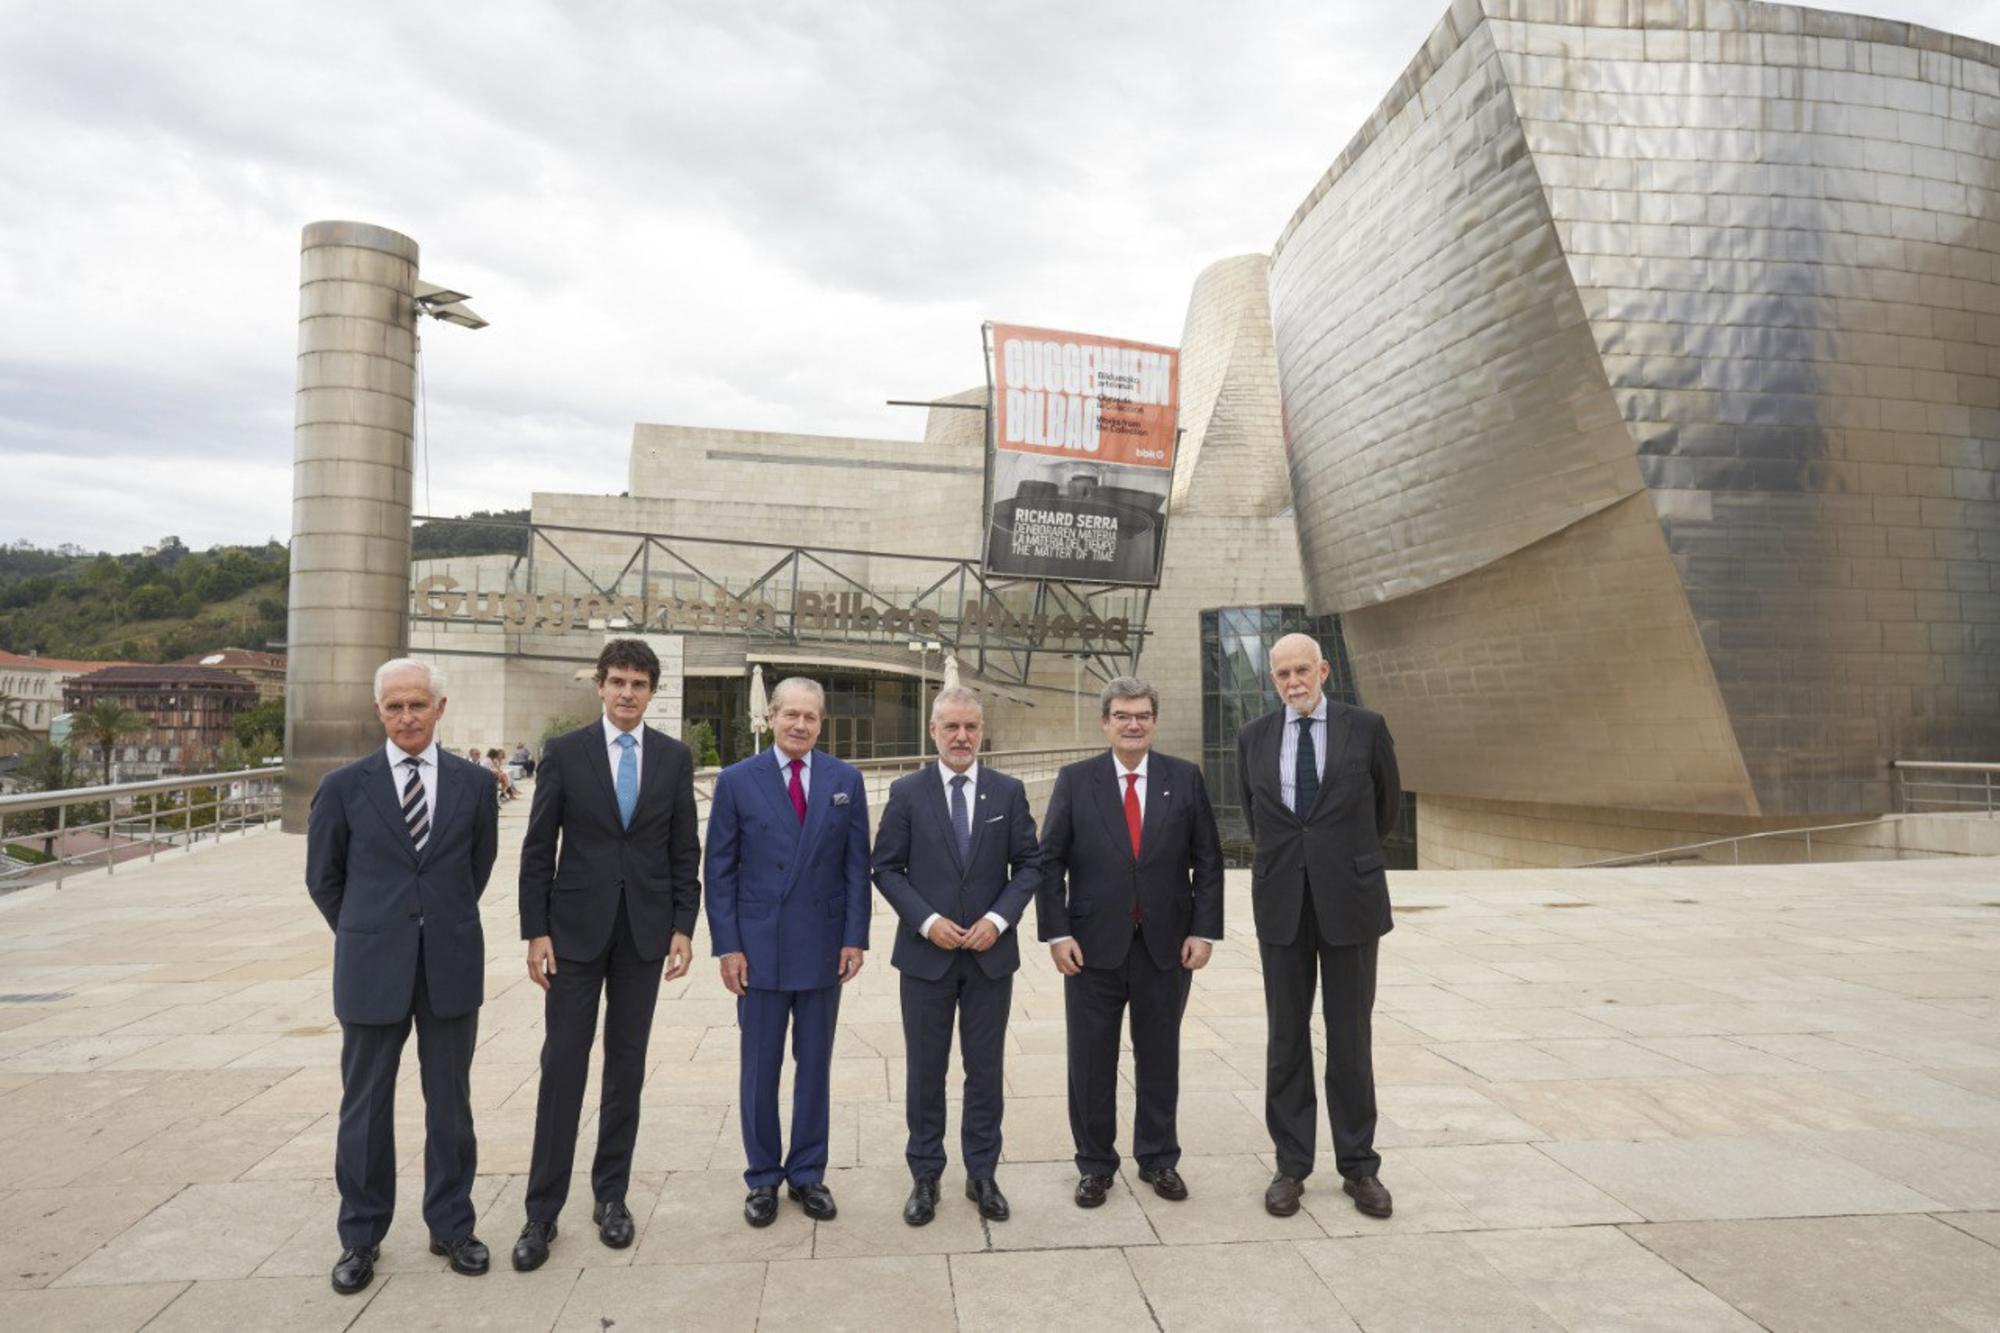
x,y
771,216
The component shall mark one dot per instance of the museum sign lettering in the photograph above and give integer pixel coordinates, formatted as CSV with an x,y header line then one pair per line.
x,y
841,614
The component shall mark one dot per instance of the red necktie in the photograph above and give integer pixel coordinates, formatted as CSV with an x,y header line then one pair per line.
x,y
798,790
1132,823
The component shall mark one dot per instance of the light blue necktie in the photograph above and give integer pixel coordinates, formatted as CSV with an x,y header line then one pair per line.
x,y
628,778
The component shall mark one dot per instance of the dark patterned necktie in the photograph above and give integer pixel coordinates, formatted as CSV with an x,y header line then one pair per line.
x,y
961,818
416,812
1305,779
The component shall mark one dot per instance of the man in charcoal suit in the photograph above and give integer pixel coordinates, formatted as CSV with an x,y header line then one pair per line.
x,y
1320,791
398,848
610,885
956,857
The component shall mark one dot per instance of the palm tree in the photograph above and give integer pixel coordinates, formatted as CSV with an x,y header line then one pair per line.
x,y
12,727
106,724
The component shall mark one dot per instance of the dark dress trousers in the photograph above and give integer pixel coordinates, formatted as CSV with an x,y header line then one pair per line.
x,y
407,948
1089,885
919,869
789,897
1320,895
611,898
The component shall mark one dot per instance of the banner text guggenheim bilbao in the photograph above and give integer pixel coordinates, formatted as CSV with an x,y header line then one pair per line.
x,y
1641,388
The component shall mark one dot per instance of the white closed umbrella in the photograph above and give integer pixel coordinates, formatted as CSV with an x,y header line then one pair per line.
x,y
950,672
760,704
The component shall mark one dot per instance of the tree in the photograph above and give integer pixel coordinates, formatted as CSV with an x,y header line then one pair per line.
x,y
556,727
700,738
12,726
106,724
267,719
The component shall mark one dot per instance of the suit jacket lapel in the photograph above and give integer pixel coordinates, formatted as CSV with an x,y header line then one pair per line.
x,y
1158,797
650,775
450,790
819,795
978,814
770,780
1109,784
1339,725
599,754
1264,759
938,802
376,778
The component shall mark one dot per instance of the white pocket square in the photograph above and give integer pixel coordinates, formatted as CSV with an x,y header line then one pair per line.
x,y
840,798
996,819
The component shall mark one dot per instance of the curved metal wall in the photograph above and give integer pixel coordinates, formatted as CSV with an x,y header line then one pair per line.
x,y
1738,265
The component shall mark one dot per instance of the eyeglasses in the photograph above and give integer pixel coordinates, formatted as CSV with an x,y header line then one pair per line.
x,y
1117,716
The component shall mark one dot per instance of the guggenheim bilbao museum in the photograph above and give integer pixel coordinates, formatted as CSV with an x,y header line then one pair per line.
x,y
1621,409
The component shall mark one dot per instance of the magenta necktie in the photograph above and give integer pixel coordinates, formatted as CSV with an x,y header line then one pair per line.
x,y
798,790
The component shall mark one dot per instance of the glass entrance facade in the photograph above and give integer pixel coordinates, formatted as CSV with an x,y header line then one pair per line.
x,y
869,716
1236,687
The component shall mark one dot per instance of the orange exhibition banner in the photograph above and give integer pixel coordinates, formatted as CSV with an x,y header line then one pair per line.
x,y
1081,464
1104,400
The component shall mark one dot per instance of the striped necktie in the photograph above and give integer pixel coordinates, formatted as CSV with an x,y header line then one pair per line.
x,y
416,812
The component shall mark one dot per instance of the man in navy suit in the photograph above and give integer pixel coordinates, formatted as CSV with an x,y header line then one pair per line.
x,y
610,885
956,858
1131,905
788,907
398,848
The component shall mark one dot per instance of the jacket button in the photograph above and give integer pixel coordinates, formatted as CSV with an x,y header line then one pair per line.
x,y
416,916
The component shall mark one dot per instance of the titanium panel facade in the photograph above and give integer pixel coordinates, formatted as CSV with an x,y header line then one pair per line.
x,y
1720,272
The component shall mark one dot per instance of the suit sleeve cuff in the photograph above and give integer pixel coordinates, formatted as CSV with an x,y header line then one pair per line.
x,y
929,921
1061,939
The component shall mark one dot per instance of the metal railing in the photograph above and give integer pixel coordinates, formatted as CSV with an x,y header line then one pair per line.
x,y
1691,851
1963,788
1027,765
130,820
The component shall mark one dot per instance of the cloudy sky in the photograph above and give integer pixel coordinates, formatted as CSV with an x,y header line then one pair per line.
x,y
761,215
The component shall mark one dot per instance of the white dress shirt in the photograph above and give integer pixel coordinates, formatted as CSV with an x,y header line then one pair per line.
x,y
805,770
427,771
1288,753
616,752
945,775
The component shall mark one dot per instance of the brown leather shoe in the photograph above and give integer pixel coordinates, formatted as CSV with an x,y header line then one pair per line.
x,y
1282,1198
1166,1183
1090,1191
1370,1196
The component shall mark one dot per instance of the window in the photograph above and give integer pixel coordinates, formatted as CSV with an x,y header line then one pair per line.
x,y
1236,688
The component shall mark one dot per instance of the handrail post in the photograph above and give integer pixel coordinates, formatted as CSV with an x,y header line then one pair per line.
x,y
62,837
1808,846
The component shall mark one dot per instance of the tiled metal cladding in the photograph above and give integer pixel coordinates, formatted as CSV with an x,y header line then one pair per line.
x,y
1731,264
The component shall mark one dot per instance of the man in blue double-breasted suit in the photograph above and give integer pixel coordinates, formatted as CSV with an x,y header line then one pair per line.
x,y
398,848
788,905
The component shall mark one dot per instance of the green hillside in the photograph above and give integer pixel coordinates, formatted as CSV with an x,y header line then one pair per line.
x,y
152,606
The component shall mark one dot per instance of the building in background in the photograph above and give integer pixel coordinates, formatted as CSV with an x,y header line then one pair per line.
x,y
36,684
264,670
189,711
1642,391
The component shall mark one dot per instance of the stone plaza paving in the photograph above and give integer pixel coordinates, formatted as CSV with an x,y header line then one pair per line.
x,y
1662,1099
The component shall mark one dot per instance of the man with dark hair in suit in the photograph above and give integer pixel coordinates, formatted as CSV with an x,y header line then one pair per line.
x,y
955,857
610,884
1320,791
398,848
1130,904
788,908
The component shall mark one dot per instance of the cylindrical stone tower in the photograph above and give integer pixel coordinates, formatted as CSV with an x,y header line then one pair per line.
x,y
350,584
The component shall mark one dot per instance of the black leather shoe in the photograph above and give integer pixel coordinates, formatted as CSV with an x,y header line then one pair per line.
x,y
1090,1191
921,1206
355,1269
467,1254
1370,1196
1166,1183
760,1209
614,1223
815,1198
531,1251
992,1203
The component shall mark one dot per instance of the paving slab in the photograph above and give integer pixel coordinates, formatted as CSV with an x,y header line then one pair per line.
x,y
120,1309
1858,1273
833,1295
1261,1285
718,1298
1034,1290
